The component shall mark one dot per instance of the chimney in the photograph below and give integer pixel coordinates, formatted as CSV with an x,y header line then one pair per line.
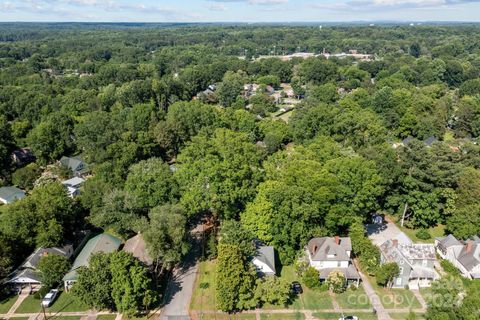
x,y
469,246
337,239
395,242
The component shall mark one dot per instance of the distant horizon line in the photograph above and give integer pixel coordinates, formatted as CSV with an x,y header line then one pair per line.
x,y
255,22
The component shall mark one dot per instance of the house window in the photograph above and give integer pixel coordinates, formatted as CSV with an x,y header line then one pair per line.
x,y
401,270
424,263
398,281
339,263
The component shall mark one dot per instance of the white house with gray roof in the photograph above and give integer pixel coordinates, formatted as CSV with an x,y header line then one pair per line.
x,y
264,260
27,274
332,254
415,261
464,255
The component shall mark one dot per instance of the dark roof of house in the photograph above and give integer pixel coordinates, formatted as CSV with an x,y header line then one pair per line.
x,y
266,254
101,243
138,248
10,194
430,140
23,155
407,140
449,241
322,249
349,273
30,265
470,259
73,163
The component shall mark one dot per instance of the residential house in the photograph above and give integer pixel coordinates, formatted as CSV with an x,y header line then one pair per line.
x,y
73,186
332,254
78,167
21,157
138,248
464,255
101,243
415,261
10,194
27,274
264,260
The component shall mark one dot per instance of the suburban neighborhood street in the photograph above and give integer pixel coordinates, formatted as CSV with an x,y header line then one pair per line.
x,y
180,287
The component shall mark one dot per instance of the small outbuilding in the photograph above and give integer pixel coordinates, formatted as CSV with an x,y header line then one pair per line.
x,y
10,194
264,260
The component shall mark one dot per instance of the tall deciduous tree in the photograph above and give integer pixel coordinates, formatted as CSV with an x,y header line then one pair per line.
x,y
52,269
235,280
166,235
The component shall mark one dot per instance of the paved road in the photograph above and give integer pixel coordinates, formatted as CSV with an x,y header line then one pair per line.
x,y
180,287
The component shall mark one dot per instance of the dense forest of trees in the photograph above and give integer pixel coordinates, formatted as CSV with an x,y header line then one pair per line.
x,y
122,98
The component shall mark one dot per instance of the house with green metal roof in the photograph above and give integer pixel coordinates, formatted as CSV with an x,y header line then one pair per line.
x,y
101,243
10,194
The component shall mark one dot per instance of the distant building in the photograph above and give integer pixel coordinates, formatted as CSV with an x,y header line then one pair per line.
x,y
73,186
464,255
27,274
332,254
75,164
22,157
264,260
10,194
100,243
414,260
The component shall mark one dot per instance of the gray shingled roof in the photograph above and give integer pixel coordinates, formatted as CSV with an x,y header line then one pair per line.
x,y
138,248
430,140
266,254
449,241
73,163
472,258
349,273
321,248
10,194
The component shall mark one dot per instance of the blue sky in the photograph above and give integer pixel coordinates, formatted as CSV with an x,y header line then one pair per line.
x,y
238,10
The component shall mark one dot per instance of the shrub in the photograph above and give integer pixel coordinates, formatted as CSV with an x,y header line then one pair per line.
x,y
423,234
336,281
448,267
311,278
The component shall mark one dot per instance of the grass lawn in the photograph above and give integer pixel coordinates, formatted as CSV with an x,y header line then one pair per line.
x,y
286,116
223,316
437,231
204,289
67,302
397,298
403,316
64,318
7,302
353,299
310,299
29,305
336,316
106,317
426,293
282,316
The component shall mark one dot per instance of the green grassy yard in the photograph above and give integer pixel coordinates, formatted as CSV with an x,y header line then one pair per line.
x,y
7,302
437,231
353,299
64,318
336,316
403,316
106,317
29,305
223,316
204,289
67,302
282,316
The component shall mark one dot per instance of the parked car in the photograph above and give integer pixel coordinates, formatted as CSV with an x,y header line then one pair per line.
x,y
297,287
349,318
49,298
